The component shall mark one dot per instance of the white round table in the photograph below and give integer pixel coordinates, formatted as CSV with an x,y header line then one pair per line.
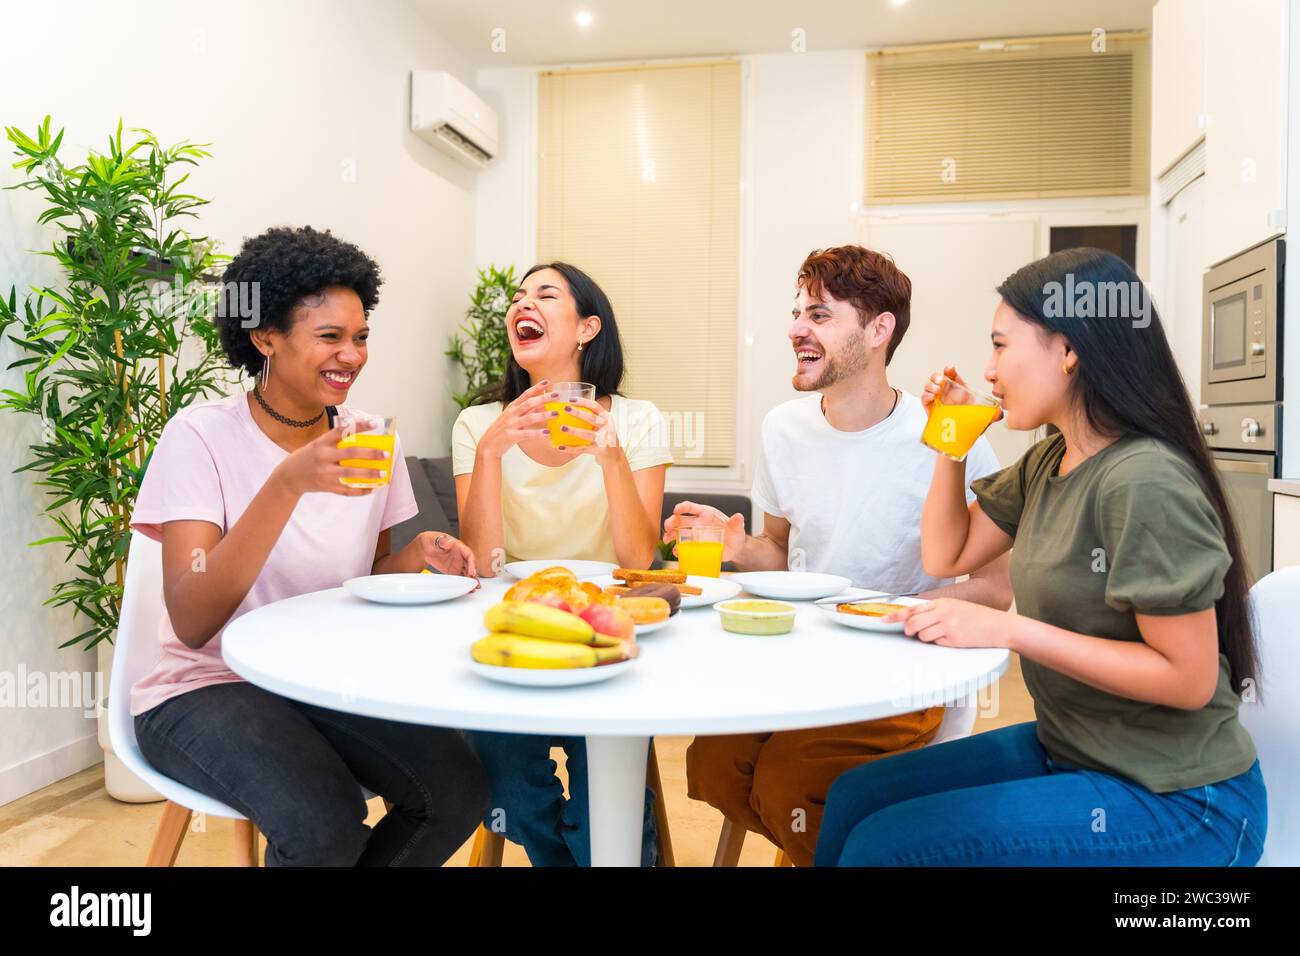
x,y
412,664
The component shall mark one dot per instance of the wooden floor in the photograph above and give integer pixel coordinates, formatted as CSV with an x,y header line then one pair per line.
x,y
76,823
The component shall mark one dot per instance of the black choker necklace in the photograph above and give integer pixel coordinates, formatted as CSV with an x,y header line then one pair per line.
x,y
283,420
897,396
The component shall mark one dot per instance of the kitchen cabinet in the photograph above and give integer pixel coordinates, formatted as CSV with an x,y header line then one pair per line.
x,y
1245,102
1286,523
1219,71
1177,80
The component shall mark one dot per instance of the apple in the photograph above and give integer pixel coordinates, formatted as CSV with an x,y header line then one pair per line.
x,y
551,600
606,619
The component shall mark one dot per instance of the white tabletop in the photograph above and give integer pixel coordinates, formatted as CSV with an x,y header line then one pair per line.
x,y
412,664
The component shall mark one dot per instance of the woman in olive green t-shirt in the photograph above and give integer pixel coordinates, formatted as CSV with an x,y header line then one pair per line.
x,y
1131,617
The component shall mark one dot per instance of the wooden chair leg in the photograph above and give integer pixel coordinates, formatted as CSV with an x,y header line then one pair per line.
x,y
167,838
245,843
656,784
488,848
730,842
476,851
782,858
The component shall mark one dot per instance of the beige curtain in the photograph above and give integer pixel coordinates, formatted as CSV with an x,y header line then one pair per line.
x,y
639,186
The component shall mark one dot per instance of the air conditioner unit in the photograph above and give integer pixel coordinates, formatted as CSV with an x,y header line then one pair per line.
x,y
448,114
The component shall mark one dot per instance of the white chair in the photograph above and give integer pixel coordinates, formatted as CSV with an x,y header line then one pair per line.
x,y
958,721
1273,719
133,656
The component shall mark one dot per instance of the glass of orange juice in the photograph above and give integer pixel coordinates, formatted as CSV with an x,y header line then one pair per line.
x,y
569,391
381,434
958,416
699,551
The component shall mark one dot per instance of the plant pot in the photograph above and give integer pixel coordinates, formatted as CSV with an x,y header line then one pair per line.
x,y
119,781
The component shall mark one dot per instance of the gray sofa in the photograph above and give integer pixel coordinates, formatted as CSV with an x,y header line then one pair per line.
x,y
435,493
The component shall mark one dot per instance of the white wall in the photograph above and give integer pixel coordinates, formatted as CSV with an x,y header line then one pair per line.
x,y
306,108
506,203
1290,465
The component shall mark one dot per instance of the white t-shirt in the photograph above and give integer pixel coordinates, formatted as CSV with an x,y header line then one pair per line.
x,y
854,499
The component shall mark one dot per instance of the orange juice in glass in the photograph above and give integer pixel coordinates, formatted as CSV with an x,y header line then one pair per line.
x,y
382,435
569,391
958,416
699,551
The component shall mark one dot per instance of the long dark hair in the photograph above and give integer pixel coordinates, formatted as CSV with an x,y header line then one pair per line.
x,y
601,363
1127,383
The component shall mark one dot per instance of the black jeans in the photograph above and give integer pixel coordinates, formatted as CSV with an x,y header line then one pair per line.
x,y
296,770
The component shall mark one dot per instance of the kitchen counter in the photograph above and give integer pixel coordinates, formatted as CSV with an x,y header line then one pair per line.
x,y
1285,486
1286,521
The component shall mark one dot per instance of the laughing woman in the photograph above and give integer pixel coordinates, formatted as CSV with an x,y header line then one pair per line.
x,y
1132,627
246,495
521,499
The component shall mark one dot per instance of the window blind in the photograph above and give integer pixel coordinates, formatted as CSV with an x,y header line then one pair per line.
x,y
1023,119
639,186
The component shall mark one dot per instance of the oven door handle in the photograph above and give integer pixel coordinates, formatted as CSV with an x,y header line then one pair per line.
x,y
1244,467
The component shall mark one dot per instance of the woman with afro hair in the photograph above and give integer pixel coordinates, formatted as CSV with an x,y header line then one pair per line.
x,y
246,495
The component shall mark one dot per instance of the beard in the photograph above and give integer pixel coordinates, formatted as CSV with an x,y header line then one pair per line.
x,y
850,358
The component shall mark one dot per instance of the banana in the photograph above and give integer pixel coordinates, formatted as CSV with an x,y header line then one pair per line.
x,y
539,620
518,650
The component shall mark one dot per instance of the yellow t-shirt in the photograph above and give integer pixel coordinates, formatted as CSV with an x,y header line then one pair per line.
x,y
561,512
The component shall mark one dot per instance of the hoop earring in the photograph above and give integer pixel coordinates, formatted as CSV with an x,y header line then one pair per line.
x,y
266,372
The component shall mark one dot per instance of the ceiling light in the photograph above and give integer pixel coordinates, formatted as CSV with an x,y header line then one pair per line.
x,y
583,19
898,3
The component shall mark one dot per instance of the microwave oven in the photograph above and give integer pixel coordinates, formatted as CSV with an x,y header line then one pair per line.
x,y
1242,327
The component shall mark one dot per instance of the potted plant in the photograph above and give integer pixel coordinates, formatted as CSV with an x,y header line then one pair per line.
x,y
109,353
482,347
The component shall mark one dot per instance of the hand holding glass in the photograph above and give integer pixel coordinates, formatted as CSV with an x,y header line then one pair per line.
x,y
699,550
569,391
958,416
382,435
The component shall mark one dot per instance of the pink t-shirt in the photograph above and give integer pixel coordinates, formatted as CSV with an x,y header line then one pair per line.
x,y
210,462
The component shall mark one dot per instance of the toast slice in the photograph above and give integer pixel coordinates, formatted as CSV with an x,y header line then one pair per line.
x,y
633,577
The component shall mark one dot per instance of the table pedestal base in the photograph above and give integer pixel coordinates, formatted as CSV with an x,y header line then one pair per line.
x,y
616,789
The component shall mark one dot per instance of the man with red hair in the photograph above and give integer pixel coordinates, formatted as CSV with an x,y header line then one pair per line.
x,y
841,482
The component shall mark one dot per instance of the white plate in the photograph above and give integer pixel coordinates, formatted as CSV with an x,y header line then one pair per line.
x,y
410,588
548,676
654,626
869,623
580,569
715,589
791,585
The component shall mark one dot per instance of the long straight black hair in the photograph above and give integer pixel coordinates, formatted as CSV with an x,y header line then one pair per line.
x,y
1127,383
601,362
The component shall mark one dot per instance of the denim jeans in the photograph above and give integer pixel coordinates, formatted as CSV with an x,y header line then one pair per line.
x,y
998,799
297,770
529,800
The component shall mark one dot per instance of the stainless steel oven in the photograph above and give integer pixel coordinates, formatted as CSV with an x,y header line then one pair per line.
x,y
1241,384
1243,443
1241,327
